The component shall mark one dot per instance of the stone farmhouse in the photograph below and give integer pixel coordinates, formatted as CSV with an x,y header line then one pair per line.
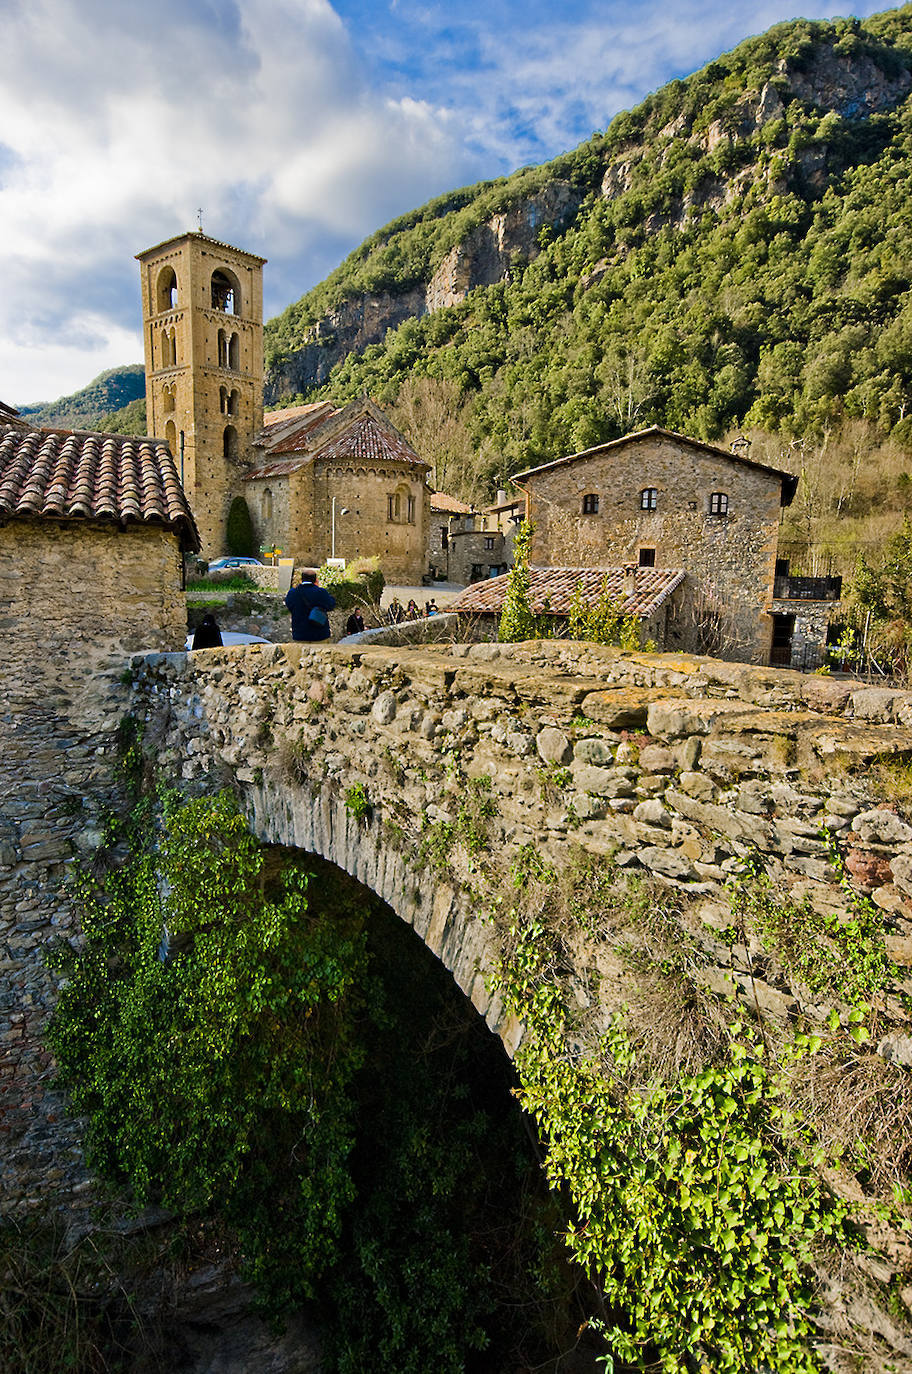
x,y
328,483
321,482
656,499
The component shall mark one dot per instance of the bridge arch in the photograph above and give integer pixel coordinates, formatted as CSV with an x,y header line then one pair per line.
x,y
320,823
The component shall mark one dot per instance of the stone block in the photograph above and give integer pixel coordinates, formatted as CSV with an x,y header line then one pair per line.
x,y
384,708
698,786
655,758
669,862
653,813
881,826
554,747
873,703
594,751
901,868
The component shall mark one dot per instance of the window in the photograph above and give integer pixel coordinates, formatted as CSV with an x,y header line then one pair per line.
x,y
230,443
234,353
168,348
590,504
718,503
411,510
444,537
647,558
649,498
226,295
489,542
171,438
168,398
477,572
166,291
222,348
393,507
267,503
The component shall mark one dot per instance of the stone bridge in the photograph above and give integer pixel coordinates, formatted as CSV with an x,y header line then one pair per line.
x,y
424,772
428,772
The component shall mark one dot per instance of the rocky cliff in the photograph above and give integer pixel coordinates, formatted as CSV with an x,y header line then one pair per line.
x,y
787,114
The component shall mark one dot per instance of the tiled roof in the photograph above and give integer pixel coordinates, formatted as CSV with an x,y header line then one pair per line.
x,y
552,590
788,481
372,440
360,431
451,504
203,238
278,417
61,474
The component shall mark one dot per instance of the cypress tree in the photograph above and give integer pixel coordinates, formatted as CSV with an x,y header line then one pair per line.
x,y
239,530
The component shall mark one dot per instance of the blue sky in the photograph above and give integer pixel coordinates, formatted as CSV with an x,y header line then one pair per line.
x,y
299,126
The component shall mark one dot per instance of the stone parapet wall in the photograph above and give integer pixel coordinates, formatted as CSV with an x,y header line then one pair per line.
x,y
677,768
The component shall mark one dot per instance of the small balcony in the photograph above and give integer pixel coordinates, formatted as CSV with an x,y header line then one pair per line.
x,y
789,588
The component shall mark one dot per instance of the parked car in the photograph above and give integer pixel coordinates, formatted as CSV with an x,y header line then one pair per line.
x,y
230,637
235,562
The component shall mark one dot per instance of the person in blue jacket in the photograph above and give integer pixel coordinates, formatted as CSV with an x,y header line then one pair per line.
x,y
310,606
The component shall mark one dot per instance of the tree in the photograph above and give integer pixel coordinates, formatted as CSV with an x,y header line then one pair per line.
x,y
517,621
239,529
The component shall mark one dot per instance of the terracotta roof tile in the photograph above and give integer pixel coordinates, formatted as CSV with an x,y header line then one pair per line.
x,y
552,590
369,439
75,475
451,504
360,432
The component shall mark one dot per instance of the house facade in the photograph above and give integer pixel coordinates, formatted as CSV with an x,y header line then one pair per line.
x,y
657,499
328,483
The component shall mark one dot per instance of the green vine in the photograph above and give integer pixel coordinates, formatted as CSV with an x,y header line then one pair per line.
x,y
699,1204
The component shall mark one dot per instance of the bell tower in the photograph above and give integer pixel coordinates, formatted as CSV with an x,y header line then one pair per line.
x,y
202,307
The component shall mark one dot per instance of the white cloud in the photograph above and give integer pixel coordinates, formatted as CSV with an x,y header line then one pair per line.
x,y
121,121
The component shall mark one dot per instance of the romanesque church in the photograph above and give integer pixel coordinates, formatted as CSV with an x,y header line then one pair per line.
x,y
319,482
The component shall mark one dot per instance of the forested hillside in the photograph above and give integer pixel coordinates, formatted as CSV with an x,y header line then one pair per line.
x,y
114,393
734,253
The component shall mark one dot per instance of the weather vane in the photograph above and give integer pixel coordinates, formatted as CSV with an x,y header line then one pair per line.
x,y
199,219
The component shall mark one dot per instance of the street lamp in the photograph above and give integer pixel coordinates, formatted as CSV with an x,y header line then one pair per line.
x,y
344,510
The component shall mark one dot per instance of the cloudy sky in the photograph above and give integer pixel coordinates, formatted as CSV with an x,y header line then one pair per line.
x,y
296,126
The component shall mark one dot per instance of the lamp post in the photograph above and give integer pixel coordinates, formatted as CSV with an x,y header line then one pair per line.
x,y
342,511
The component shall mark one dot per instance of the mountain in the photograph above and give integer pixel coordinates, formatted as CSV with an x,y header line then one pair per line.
x,y
108,402
734,252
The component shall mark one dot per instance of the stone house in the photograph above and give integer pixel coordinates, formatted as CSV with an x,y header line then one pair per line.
x,y
654,595
480,542
444,512
93,528
660,500
328,483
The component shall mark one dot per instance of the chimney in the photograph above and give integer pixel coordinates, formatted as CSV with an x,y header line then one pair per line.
x,y
630,579
502,497
740,446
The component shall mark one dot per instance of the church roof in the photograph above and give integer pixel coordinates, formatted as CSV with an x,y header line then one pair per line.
x,y
61,474
551,590
202,238
359,432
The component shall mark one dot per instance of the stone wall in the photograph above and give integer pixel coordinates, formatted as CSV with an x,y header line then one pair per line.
x,y
677,767
730,557
75,602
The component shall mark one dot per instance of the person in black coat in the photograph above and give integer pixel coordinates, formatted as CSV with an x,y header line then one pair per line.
x,y
207,634
355,623
310,606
